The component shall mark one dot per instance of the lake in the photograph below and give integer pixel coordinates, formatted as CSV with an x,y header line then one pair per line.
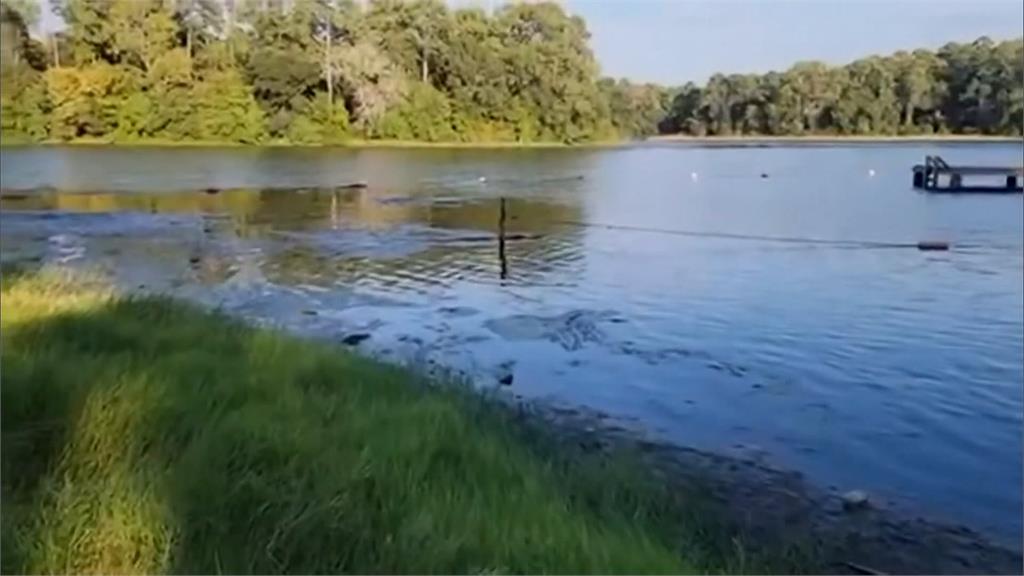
x,y
764,302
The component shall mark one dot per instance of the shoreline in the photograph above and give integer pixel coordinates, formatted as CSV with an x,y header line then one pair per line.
x,y
781,519
833,139
773,508
350,144
120,428
697,141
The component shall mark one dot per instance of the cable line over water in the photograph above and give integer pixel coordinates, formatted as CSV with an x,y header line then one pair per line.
x,y
920,245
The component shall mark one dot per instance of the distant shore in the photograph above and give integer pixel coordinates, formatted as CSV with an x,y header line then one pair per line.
x,y
497,145
352,143
834,139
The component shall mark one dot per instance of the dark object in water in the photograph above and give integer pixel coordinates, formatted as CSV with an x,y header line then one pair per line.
x,y
309,312
932,245
354,339
860,569
764,174
396,200
296,189
856,500
505,373
354,186
513,236
193,259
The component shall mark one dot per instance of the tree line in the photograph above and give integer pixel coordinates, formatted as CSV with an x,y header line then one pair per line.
x,y
324,71
305,71
975,88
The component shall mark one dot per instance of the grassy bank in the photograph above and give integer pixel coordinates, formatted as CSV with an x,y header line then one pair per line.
x,y
146,435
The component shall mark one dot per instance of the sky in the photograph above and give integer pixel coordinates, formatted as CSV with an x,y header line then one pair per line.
x,y
675,41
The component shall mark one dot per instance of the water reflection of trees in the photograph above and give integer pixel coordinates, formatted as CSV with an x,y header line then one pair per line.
x,y
322,236
421,243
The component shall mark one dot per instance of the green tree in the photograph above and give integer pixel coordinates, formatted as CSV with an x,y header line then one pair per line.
x,y
413,33
472,73
551,70
424,114
89,32
24,104
317,70
917,87
372,83
321,122
141,31
683,111
86,101
27,10
134,118
868,102
634,109
169,88
201,22
226,110
17,20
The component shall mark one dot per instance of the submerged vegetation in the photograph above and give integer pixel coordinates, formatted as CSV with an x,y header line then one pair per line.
x,y
142,434
327,71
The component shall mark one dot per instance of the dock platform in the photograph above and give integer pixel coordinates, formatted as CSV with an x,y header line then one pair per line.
x,y
935,175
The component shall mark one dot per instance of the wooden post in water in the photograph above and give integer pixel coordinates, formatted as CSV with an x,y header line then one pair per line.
x,y
502,260
334,209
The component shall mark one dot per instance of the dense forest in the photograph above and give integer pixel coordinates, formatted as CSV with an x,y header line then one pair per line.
x,y
323,71
975,88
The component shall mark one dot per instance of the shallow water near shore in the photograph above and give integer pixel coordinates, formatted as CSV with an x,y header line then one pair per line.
x,y
761,303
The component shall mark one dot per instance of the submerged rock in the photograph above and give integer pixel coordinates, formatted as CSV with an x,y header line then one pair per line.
x,y
505,375
354,339
855,500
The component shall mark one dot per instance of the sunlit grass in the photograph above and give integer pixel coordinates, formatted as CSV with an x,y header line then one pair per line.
x,y
146,435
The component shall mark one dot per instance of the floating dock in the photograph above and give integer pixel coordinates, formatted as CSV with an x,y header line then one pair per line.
x,y
935,175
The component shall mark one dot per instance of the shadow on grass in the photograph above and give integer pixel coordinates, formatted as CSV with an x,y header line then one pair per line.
x,y
145,435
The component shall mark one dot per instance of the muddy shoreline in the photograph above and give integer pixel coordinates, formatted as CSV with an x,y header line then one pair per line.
x,y
768,507
773,508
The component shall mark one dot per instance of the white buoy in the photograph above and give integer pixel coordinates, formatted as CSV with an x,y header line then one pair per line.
x,y
871,172
482,179
693,176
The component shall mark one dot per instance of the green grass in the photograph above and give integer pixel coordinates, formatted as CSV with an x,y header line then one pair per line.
x,y
146,435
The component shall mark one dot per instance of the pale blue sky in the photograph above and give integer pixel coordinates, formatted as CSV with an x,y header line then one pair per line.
x,y
673,41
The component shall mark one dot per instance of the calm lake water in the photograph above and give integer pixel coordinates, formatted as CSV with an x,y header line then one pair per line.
x,y
863,366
